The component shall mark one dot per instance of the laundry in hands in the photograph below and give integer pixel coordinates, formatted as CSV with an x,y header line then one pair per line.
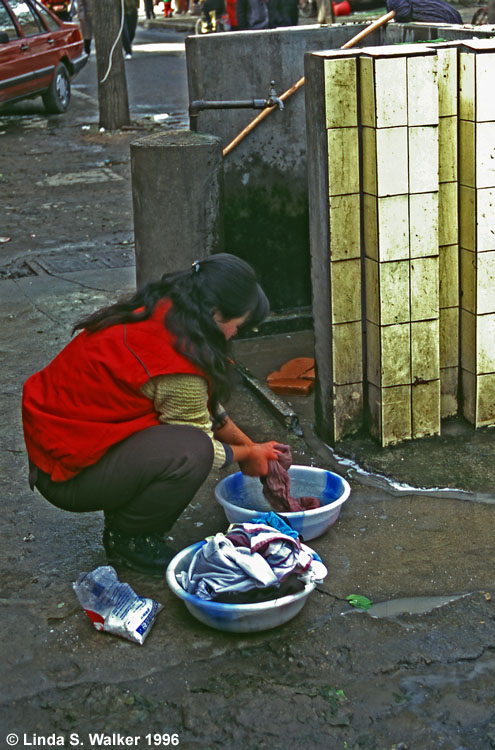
x,y
276,485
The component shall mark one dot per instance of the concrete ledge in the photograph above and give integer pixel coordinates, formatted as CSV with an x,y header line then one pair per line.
x,y
287,321
179,23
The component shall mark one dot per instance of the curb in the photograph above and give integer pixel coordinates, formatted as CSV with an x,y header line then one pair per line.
x,y
187,23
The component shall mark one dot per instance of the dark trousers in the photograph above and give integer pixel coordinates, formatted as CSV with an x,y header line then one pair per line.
x,y
143,483
129,31
149,9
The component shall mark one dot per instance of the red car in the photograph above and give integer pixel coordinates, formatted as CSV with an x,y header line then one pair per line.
x,y
39,54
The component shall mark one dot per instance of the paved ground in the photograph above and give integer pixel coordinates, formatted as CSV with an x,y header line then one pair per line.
x,y
419,675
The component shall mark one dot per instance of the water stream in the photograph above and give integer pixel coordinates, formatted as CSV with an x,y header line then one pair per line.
x,y
380,481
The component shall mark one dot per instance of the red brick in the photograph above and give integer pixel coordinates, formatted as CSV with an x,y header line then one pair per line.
x,y
299,367
299,386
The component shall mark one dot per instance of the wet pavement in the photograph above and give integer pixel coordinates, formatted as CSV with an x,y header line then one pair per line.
x,y
416,671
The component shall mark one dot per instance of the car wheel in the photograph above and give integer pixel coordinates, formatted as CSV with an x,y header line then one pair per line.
x,y
57,98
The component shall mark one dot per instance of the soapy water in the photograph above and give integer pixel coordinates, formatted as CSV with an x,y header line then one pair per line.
x,y
247,492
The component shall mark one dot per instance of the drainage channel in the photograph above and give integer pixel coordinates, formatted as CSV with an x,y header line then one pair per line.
x,y
380,481
119,253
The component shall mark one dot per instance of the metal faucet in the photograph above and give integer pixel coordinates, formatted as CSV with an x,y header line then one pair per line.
x,y
273,99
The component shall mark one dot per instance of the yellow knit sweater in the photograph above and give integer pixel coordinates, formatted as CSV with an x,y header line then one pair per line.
x,y
183,399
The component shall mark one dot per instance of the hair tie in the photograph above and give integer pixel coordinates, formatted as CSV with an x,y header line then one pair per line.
x,y
195,266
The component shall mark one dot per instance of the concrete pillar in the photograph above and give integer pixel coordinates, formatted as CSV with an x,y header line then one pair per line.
x,y
477,229
399,114
448,228
177,200
335,230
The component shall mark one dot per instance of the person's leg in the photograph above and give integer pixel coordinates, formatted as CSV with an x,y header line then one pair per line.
x,y
206,9
293,12
142,484
126,40
133,19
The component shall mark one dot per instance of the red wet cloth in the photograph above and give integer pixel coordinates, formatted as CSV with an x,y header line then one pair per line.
x,y
276,485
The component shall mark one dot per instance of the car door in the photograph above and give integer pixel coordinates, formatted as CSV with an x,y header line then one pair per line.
x,y
36,61
10,53
59,35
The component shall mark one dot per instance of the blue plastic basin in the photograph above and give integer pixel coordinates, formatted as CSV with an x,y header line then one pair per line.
x,y
236,618
242,498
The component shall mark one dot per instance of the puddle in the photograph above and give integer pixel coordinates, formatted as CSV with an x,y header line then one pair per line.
x,y
414,605
36,123
85,177
452,675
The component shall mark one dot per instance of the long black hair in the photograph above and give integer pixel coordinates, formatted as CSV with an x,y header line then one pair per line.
x,y
222,283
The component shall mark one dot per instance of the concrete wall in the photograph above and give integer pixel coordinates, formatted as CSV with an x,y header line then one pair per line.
x,y
177,201
266,194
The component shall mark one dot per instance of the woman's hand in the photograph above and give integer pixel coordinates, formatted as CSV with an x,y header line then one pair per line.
x,y
256,462
252,457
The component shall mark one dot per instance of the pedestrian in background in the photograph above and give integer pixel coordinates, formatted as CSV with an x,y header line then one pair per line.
x,y
288,11
231,12
128,419
149,9
130,25
210,7
82,9
181,7
61,8
252,14
282,13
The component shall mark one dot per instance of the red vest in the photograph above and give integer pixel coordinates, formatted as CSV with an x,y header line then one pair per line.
x,y
88,398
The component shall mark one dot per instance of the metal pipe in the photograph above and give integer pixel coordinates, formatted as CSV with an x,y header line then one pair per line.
x,y
198,105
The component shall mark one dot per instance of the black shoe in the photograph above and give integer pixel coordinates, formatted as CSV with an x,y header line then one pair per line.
x,y
146,553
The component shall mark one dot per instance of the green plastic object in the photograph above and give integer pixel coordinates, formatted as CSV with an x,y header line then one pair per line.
x,y
361,602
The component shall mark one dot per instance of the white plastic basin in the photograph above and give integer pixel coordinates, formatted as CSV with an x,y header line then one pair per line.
x,y
236,618
242,498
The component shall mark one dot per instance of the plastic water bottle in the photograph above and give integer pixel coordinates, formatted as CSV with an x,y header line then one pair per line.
x,y
113,606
